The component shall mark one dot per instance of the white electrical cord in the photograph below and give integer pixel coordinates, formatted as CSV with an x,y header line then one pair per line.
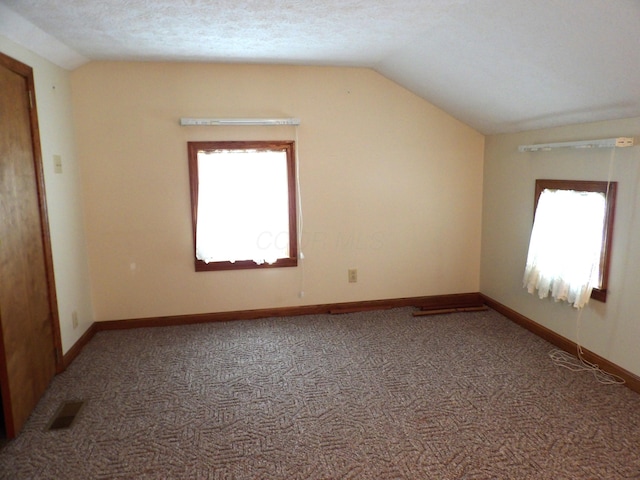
x,y
579,363
300,218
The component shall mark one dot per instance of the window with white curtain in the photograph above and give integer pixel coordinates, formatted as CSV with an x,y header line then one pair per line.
x,y
570,243
243,204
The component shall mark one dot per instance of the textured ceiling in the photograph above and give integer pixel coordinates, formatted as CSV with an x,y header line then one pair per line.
x,y
497,65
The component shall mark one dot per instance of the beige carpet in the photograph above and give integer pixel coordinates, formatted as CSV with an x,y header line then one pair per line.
x,y
378,395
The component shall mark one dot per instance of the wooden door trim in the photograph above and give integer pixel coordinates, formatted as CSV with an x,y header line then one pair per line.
x,y
26,72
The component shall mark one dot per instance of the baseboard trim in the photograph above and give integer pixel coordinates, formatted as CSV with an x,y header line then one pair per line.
x,y
459,300
632,381
436,302
77,347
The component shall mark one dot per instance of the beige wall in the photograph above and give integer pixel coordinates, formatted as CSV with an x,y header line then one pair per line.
x,y
53,97
390,185
611,329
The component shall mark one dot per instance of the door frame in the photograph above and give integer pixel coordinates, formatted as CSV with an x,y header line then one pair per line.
x,y
26,72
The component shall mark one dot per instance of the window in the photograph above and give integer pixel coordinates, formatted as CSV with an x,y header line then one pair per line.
x,y
571,240
243,203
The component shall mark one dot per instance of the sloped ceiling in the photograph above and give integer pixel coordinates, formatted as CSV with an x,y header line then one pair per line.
x,y
497,65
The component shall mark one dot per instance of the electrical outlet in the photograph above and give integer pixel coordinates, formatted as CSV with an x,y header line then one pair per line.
x,y
74,319
353,275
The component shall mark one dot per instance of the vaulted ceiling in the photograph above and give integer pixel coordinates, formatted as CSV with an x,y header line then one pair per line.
x,y
497,65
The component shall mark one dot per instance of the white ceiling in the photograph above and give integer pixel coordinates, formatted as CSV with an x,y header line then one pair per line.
x,y
497,65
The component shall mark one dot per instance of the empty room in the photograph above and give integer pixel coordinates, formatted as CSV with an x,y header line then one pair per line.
x,y
320,240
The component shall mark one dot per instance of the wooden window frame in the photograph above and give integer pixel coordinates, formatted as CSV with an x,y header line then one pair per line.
x,y
609,189
287,146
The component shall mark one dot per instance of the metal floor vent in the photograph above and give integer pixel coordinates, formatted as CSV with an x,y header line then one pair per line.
x,y
65,415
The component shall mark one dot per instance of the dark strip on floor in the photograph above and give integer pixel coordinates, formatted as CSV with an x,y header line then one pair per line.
x,y
65,415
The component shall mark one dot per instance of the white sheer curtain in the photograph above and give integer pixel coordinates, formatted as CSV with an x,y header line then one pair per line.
x,y
243,209
566,244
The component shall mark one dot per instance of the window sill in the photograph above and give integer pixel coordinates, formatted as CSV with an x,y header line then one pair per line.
x,y
243,265
600,295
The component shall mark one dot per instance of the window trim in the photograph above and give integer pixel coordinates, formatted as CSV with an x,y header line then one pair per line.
x,y
609,189
282,145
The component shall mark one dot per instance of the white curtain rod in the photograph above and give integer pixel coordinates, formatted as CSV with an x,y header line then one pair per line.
x,y
191,122
601,143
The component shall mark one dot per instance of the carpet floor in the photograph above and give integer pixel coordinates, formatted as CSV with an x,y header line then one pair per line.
x,y
373,395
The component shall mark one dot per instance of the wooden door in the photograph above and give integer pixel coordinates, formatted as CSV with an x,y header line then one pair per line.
x,y
29,334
